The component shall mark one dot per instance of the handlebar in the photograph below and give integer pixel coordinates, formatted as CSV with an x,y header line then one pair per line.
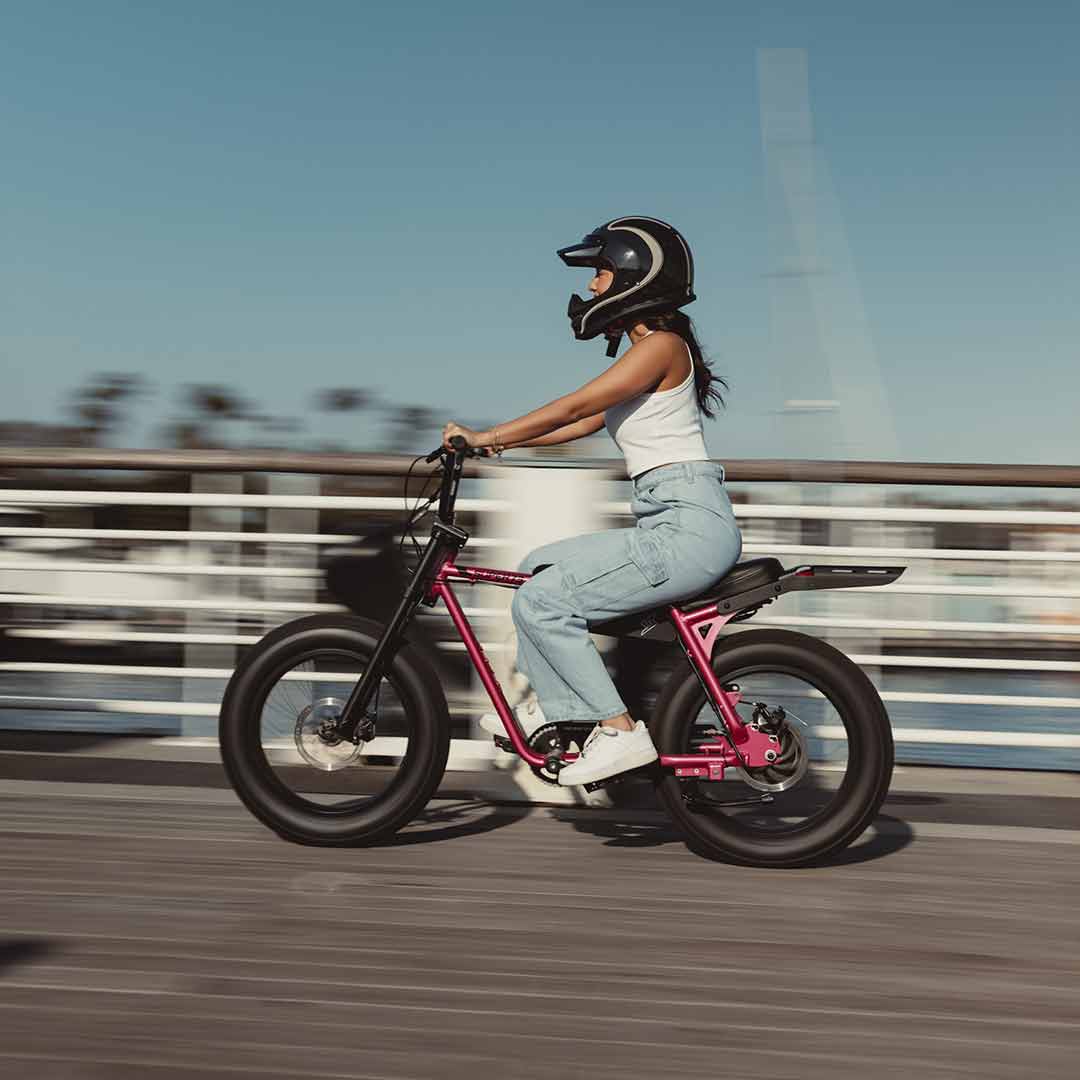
x,y
452,460
460,447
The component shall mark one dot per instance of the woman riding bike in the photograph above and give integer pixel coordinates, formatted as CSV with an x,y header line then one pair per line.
x,y
685,536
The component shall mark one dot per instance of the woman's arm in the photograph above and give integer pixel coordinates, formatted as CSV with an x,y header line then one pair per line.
x,y
640,369
565,434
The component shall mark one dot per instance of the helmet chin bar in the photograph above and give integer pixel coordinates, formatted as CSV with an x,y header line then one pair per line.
x,y
577,309
613,334
576,306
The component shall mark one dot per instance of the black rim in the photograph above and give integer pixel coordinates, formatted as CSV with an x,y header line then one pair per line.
x,y
369,778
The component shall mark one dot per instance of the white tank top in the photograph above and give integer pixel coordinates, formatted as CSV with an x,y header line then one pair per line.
x,y
660,428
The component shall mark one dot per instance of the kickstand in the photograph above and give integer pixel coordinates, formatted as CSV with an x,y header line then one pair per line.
x,y
708,806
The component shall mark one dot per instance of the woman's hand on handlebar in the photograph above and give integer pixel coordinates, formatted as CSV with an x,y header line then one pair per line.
x,y
473,439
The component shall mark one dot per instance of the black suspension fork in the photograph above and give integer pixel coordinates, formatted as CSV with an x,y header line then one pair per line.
x,y
357,721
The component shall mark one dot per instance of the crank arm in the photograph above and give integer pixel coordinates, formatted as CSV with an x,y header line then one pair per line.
x,y
641,772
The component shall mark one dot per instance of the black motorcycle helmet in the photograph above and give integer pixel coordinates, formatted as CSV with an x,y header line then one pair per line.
x,y
653,268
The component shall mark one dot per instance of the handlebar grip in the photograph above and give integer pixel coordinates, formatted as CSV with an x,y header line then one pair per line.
x,y
460,446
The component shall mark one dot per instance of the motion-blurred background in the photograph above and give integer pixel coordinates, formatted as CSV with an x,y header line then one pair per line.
x,y
273,229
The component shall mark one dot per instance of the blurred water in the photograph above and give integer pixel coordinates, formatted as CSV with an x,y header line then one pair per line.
x,y
962,717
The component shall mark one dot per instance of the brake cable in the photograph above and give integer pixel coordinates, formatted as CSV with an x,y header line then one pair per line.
x,y
417,511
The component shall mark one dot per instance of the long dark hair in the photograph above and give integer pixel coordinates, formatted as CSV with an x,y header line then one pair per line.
x,y
707,385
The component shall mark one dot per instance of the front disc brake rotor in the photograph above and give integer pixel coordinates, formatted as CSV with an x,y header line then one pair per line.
x,y
790,765
317,741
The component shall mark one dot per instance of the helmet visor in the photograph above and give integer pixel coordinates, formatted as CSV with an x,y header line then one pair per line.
x,y
587,253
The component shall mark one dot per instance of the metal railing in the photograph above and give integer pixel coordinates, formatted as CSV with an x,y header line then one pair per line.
x,y
259,576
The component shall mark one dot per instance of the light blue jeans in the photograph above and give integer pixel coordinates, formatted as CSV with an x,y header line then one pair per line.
x,y
685,538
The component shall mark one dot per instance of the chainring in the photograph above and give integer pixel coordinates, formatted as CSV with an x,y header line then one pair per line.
x,y
557,735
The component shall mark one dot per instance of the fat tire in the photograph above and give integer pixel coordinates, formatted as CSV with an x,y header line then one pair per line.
x,y
870,749
414,680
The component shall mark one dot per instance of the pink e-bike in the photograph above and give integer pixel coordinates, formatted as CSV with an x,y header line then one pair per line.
x,y
775,748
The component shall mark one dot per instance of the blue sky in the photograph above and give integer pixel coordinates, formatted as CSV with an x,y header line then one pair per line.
x,y
286,196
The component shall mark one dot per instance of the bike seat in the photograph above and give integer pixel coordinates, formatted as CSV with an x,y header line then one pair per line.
x,y
742,577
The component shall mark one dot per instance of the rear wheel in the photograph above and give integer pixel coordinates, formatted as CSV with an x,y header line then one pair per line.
x,y
278,743
835,751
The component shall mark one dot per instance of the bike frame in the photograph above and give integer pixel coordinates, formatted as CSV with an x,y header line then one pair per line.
x,y
697,626
697,632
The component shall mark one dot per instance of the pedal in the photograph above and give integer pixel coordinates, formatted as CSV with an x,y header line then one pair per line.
x,y
599,785
503,743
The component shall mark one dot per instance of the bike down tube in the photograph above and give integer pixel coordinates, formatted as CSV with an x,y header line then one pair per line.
x,y
442,590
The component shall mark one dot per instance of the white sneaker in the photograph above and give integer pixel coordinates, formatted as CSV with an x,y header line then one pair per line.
x,y
608,752
529,715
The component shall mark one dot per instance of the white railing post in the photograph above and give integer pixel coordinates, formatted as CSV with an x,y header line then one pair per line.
x,y
200,552
542,505
301,520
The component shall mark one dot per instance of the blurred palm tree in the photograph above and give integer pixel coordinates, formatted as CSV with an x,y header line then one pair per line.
x,y
411,428
99,407
210,408
218,403
344,399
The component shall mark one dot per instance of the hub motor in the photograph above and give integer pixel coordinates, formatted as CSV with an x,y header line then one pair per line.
x,y
317,739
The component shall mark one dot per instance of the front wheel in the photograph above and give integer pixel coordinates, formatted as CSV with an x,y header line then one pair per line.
x,y
835,760
278,744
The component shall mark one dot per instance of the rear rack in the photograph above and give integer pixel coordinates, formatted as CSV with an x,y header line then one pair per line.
x,y
841,577
655,624
804,578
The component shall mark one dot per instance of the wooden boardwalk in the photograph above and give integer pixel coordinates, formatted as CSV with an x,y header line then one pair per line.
x,y
160,933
